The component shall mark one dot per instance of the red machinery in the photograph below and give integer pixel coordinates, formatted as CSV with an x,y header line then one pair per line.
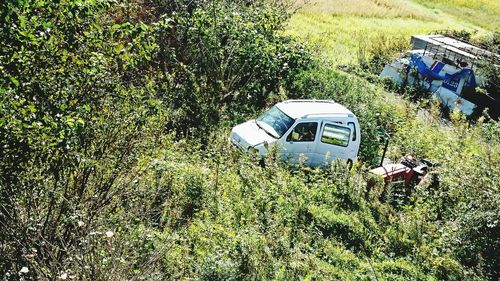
x,y
409,170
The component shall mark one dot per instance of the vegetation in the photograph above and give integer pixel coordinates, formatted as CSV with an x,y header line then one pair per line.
x,y
343,31
114,162
483,13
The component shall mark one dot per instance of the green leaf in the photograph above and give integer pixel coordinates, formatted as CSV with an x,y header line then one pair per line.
x,y
14,80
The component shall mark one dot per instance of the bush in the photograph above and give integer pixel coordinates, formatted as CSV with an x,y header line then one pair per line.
x,y
227,61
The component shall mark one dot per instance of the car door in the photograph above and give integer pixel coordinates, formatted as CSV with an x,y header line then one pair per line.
x,y
300,143
333,143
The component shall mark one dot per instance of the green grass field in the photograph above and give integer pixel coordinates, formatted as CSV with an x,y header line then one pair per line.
x,y
341,29
482,13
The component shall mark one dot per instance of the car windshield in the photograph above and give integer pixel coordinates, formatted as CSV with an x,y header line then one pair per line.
x,y
275,122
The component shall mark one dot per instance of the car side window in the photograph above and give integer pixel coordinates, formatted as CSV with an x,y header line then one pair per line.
x,y
303,132
336,135
353,130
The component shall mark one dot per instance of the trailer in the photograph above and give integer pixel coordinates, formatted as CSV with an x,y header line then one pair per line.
x,y
446,67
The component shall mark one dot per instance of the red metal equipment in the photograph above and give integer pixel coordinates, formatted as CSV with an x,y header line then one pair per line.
x,y
409,170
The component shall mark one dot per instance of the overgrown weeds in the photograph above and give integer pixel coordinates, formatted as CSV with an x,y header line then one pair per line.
x,y
114,162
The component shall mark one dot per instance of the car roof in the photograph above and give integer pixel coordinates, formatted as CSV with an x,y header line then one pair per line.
x,y
313,108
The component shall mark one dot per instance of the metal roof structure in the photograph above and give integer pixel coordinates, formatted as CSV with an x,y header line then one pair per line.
x,y
449,48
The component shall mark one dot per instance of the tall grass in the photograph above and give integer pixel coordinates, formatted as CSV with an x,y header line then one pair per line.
x,y
483,13
370,8
337,29
338,38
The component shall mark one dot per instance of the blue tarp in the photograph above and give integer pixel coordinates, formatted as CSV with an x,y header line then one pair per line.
x,y
450,81
428,73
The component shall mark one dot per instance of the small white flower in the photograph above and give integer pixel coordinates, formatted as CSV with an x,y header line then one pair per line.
x,y
63,276
109,234
24,270
81,224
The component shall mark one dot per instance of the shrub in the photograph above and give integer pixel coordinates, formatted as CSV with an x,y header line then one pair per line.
x,y
227,59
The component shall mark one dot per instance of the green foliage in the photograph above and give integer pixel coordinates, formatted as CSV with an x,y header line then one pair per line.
x,y
373,55
226,59
344,227
467,193
491,72
114,161
72,124
259,223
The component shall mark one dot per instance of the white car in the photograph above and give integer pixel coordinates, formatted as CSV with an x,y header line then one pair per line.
x,y
312,132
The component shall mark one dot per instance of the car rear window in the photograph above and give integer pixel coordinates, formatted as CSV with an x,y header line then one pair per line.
x,y
336,135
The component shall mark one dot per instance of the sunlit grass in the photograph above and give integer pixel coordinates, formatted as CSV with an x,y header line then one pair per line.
x,y
366,8
483,13
339,38
339,29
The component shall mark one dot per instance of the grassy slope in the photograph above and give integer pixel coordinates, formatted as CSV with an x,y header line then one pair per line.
x,y
339,28
483,13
